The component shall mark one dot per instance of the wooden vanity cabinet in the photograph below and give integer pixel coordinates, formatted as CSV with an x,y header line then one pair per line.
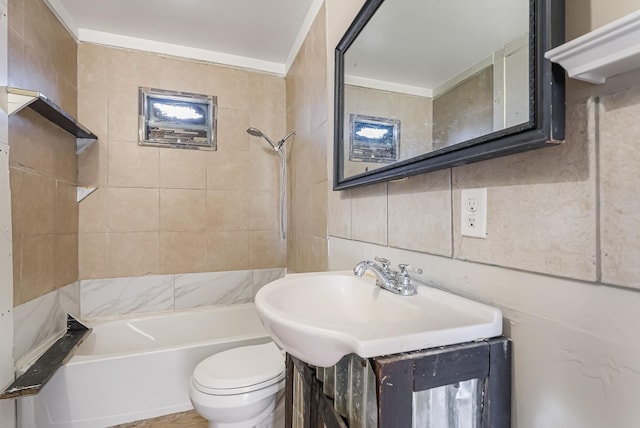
x,y
399,383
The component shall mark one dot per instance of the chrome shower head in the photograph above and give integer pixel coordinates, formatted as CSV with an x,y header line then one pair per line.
x,y
255,132
258,133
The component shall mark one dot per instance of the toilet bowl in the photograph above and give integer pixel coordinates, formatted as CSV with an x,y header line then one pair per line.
x,y
238,388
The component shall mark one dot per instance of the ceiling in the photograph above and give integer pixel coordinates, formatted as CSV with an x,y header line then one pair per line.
x,y
259,34
437,38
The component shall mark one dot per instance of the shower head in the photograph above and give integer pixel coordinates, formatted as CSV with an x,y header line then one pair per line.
x,y
258,133
255,132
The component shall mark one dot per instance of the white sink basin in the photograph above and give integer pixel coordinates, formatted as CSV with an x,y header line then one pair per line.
x,y
321,317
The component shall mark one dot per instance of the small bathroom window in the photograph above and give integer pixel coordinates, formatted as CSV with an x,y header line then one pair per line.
x,y
177,119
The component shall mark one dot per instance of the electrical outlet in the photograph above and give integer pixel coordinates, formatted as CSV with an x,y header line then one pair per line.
x,y
474,213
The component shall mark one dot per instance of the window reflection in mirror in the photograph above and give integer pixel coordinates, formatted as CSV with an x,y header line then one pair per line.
x,y
449,71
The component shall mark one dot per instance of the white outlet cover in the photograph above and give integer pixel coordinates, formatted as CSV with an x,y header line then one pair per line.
x,y
473,213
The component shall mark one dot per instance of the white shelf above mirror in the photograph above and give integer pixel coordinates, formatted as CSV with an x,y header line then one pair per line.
x,y
602,53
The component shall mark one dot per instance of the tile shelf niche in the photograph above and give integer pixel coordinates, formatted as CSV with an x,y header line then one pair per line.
x,y
17,99
602,53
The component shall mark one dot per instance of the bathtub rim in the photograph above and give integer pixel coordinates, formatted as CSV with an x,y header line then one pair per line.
x,y
79,358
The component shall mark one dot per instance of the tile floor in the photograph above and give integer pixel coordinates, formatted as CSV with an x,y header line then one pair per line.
x,y
186,419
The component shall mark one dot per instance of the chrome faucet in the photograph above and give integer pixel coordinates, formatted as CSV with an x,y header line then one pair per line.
x,y
386,278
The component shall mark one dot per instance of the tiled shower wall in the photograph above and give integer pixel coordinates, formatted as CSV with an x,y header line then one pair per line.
x,y
42,159
307,113
169,211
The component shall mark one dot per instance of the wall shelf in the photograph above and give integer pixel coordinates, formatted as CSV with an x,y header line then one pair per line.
x,y
17,99
605,52
36,376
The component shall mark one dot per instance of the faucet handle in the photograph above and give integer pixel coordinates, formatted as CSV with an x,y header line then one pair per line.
x,y
384,262
407,268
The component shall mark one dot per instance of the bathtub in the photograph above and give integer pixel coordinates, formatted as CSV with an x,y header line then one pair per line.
x,y
138,368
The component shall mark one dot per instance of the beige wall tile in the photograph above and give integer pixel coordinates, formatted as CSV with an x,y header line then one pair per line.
x,y
28,140
339,213
228,170
130,69
318,210
228,251
133,254
227,210
92,112
15,58
93,71
183,252
93,165
133,210
33,203
319,254
230,85
420,213
16,12
267,250
67,93
38,267
94,212
93,255
541,206
64,155
65,259
268,104
131,165
318,155
264,166
369,213
619,187
232,127
123,114
178,74
264,210
183,210
183,169
66,214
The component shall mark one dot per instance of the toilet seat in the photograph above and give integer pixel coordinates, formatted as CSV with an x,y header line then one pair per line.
x,y
240,370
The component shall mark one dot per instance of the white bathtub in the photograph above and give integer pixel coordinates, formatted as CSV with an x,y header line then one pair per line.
x,y
138,368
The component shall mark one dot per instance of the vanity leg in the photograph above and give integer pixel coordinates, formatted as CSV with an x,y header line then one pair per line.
x,y
497,411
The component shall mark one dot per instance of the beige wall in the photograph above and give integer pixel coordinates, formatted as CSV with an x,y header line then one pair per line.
x,y
307,115
162,210
456,118
560,258
43,171
414,112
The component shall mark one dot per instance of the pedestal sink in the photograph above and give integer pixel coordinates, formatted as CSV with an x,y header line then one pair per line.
x,y
321,317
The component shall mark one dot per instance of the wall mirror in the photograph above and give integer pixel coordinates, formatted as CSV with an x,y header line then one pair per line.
x,y
430,84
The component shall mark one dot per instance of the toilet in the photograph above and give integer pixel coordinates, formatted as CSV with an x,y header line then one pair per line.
x,y
239,388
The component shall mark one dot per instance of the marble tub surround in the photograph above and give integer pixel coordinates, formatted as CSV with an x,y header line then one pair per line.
x,y
155,293
41,321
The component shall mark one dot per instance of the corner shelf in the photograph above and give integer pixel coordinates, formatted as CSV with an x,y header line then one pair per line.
x,y
605,52
17,99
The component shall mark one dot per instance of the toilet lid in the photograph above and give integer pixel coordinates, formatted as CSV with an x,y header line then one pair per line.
x,y
240,367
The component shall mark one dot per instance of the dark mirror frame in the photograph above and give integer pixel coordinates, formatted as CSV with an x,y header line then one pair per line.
x,y
547,105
